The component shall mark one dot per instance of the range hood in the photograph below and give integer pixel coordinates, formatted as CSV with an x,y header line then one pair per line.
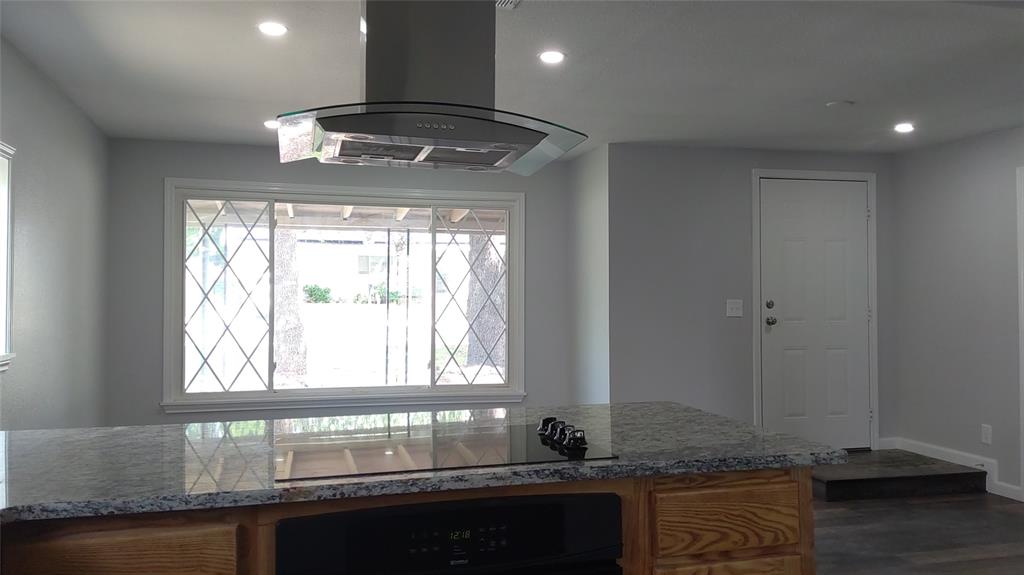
x,y
429,99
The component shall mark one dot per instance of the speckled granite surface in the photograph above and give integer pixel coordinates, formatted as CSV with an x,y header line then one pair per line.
x,y
108,471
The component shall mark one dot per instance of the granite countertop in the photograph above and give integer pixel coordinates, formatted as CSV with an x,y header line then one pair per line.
x,y
70,473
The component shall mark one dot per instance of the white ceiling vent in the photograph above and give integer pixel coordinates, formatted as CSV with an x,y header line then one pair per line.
x,y
506,4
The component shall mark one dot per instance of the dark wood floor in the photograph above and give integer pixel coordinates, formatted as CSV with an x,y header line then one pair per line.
x,y
977,534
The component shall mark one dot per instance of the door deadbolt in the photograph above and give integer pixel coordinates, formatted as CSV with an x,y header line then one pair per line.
x,y
770,304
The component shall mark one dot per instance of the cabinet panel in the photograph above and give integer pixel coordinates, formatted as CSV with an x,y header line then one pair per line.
x,y
210,549
784,565
705,520
725,479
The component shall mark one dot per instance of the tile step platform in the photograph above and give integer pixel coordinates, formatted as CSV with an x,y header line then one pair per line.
x,y
890,473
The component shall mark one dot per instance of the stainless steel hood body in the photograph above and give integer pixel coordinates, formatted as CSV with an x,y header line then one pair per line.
x,y
430,99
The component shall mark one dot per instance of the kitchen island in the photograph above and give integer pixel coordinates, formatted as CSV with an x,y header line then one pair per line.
x,y
699,493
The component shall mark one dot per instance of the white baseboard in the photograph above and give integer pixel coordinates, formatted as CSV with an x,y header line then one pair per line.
x,y
959,457
889,442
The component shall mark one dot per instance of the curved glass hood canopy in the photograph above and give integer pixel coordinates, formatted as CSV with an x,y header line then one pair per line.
x,y
429,90
424,134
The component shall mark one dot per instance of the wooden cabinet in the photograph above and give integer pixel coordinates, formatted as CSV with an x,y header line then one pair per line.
x,y
192,548
753,523
782,565
738,523
726,519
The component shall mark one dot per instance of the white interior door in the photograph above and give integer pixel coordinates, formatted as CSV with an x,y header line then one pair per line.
x,y
815,336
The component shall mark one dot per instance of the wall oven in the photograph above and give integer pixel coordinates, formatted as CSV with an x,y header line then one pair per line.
x,y
575,534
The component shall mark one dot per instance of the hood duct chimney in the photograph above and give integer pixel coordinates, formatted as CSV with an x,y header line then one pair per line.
x,y
431,51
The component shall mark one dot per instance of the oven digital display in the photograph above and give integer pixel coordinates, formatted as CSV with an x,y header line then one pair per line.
x,y
460,535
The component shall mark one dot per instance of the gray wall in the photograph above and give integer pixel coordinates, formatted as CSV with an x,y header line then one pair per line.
x,y
59,215
680,245
589,187
135,267
957,292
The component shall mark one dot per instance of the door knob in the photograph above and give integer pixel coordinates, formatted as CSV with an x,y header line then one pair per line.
x,y
770,304
770,321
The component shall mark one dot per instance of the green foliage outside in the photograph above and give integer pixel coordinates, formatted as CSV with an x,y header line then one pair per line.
x,y
381,291
317,294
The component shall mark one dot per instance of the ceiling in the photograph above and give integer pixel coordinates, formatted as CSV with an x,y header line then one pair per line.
x,y
754,74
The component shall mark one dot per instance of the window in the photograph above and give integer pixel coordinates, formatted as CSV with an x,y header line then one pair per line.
x,y
336,297
6,154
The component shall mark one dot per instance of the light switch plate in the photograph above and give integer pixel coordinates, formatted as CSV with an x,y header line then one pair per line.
x,y
733,308
986,434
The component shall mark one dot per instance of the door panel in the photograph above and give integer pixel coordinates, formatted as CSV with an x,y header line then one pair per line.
x,y
814,267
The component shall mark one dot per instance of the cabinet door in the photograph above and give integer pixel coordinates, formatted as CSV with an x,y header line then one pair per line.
x,y
691,522
782,565
207,549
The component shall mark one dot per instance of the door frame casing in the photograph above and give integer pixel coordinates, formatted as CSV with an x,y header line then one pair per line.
x,y
868,178
1020,306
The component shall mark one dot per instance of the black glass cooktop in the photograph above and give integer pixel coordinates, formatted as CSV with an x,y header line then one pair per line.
x,y
340,454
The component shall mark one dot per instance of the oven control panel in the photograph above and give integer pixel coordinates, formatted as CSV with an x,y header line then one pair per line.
x,y
425,540
460,541
475,536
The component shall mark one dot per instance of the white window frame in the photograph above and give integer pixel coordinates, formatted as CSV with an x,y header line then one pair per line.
x,y
175,400
6,253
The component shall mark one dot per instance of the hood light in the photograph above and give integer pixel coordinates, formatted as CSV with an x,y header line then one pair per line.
x,y
551,57
904,127
272,124
273,28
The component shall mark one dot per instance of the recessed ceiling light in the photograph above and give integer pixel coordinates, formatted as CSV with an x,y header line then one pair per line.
x,y
273,28
551,57
272,124
904,127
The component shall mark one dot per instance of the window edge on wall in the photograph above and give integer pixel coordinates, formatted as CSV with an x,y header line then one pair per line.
x,y
175,401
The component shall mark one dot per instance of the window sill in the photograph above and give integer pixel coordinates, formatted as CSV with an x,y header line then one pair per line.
x,y
203,405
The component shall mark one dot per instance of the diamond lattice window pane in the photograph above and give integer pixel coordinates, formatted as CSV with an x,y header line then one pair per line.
x,y
248,380
206,264
249,327
205,328
227,296
226,360
470,285
193,361
205,381
193,296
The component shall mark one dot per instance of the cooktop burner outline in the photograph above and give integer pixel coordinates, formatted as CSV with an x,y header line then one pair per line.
x,y
435,449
